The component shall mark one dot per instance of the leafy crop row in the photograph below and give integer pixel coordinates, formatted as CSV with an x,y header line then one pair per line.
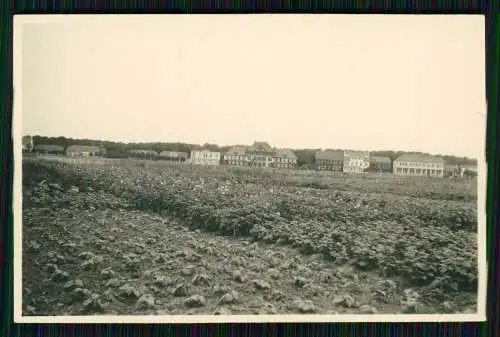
x,y
426,241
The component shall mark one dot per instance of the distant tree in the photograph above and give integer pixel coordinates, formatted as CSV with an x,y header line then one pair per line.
x,y
211,147
120,150
224,149
305,156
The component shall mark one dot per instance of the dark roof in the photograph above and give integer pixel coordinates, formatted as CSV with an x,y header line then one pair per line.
x,y
329,155
469,166
83,148
380,160
49,147
420,158
352,153
286,153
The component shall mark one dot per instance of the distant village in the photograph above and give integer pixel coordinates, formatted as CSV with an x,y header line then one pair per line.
x,y
261,154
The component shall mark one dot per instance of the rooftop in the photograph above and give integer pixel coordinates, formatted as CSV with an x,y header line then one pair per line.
x,y
471,166
352,153
286,153
203,150
49,147
380,160
83,148
420,158
329,155
173,153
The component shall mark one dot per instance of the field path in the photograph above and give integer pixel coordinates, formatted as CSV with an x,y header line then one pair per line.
x,y
89,253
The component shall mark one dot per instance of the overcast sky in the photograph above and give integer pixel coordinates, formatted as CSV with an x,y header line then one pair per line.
x,y
367,82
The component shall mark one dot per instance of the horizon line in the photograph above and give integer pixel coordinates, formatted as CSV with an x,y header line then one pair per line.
x,y
236,144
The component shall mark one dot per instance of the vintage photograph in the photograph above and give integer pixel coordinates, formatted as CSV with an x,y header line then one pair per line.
x,y
269,165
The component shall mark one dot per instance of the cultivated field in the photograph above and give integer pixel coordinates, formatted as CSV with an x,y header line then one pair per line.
x,y
135,237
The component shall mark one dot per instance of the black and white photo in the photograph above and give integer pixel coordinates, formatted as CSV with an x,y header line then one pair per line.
x,y
234,168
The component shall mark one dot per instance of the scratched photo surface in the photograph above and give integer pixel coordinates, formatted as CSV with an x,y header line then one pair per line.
x,y
251,165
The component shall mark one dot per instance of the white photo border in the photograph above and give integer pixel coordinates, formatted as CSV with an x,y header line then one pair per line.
x,y
18,22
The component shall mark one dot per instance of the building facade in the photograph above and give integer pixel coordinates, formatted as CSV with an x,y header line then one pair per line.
x,y
173,156
329,160
84,151
419,165
48,149
285,158
205,157
380,164
236,156
356,161
260,154
451,170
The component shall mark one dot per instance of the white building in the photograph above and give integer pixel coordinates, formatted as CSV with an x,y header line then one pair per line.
x,y
205,157
84,151
419,165
356,161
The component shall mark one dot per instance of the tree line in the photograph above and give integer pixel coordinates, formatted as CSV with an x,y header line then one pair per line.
x,y
121,150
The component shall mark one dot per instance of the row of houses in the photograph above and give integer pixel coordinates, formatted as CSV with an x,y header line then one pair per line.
x,y
351,161
86,151
167,155
405,165
261,154
343,161
71,150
